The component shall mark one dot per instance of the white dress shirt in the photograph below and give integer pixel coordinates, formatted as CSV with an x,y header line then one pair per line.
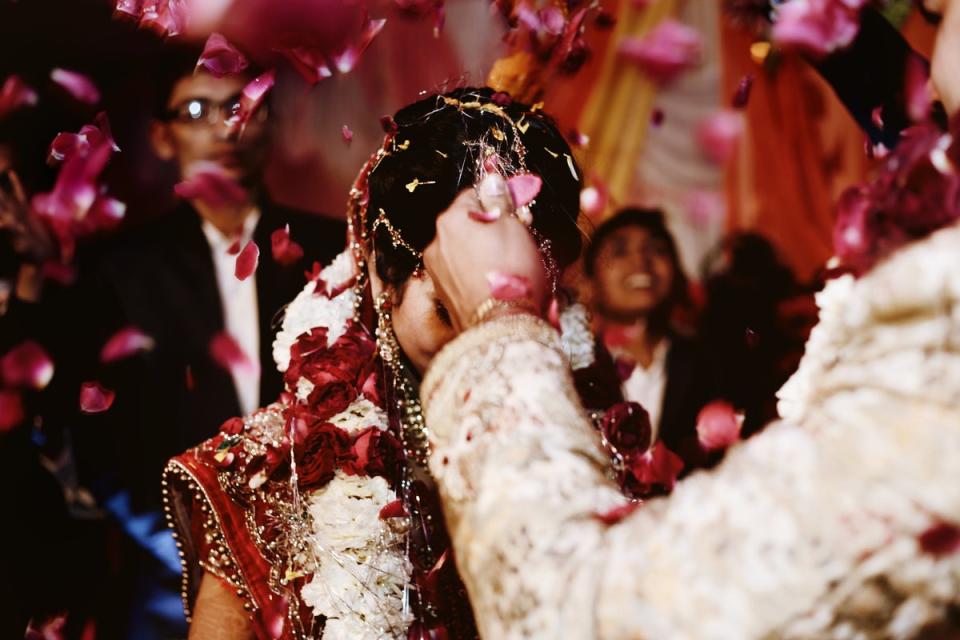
x,y
647,385
238,300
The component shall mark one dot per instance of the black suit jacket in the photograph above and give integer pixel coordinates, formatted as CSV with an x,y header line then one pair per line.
x,y
161,279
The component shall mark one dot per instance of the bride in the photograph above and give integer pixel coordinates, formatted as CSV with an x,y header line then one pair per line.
x,y
317,516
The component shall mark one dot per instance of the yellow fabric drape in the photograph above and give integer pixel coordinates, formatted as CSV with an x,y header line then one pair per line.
x,y
618,111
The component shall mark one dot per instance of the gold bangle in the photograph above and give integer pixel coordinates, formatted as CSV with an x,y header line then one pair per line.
x,y
488,306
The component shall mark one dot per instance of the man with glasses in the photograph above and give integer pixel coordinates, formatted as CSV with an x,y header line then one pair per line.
x,y
174,280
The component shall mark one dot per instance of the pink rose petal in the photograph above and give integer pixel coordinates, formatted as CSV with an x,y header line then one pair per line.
x,y
553,314
128,8
310,63
125,343
208,183
719,134
394,509
220,58
706,208
917,88
615,515
254,93
167,18
67,145
347,134
227,353
79,86
247,261
346,60
14,94
666,52
524,188
505,286
234,248
95,398
26,365
940,540
11,410
285,251
657,466
718,425
594,199
817,27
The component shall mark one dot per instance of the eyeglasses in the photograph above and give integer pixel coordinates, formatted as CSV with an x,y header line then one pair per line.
x,y
204,111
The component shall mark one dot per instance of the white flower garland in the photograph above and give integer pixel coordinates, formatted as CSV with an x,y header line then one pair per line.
x,y
359,566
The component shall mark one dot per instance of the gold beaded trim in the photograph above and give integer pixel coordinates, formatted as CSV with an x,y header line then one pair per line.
x,y
395,237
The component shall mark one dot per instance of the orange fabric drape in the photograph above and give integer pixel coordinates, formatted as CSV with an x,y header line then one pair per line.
x,y
800,150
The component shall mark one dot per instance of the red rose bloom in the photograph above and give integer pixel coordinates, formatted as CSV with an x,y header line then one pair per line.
x,y
626,426
375,453
325,447
330,398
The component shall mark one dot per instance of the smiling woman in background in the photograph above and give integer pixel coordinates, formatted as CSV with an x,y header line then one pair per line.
x,y
640,298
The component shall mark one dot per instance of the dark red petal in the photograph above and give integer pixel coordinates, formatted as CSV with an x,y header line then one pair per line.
x,y
79,86
506,286
395,509
220,58
285,251
254,93
615,515
234,248
11,410
310,63
658,466
247,261
124,343
742,95
27,365
95,398
941,539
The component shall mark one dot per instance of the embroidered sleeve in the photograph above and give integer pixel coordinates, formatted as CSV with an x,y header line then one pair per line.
x,y
804,531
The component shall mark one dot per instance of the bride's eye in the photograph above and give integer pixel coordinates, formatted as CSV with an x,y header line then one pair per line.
x,y
442,312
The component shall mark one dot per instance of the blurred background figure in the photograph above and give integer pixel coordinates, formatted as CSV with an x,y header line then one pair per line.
x,y
643,310
754,323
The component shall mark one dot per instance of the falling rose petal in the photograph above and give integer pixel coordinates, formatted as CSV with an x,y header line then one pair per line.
x,y
706,208
816,27
75,189
105,213
742,95
666,52
79,86
624,366
167,18
347,134
65,274
15,94
940,540
482,215
311,64
615,515
394,509
388,124
505,286
253,95
11,410
26,365
594,199
524,188
125,343
346,60
657,466
128,8
285,251
227,353
207,182
220,58
578,139
657,117
719,134
234,248
247,261
917,88
95,398
66,144
439,19
718,425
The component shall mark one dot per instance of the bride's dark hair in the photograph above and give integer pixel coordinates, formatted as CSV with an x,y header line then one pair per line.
x,y
437,151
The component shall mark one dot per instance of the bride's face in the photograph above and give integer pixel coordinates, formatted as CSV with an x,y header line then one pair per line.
x,y
420,321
